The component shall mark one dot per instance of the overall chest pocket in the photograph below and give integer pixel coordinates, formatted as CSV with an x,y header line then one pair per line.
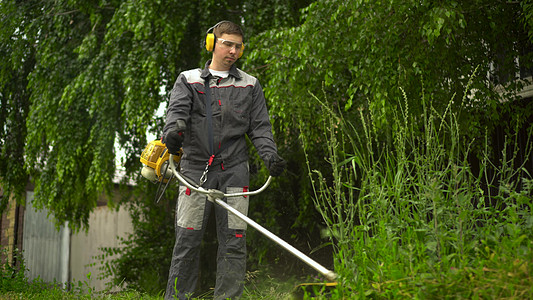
x,y
199,103
237,110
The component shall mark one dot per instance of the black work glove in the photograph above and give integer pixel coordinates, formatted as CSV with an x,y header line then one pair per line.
x,y
174,138
276,165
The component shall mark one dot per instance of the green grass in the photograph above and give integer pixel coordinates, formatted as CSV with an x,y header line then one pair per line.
x,y
14,285
56,293
261,285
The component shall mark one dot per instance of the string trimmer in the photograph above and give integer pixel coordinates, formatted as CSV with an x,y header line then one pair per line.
x,y
158,162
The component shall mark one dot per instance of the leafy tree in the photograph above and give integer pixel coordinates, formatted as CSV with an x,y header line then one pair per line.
x,y
14,97
81,77
358,53
362,55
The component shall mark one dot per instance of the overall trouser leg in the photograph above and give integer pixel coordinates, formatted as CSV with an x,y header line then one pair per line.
x,y
185,264
185,260
192,214
231,234
231,258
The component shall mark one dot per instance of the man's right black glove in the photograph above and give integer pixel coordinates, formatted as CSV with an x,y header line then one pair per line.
x,y
276,165
174,138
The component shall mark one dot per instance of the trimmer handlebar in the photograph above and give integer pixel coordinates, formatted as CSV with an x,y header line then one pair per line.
x,y
212,192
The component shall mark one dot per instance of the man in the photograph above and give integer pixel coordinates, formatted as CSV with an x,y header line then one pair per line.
x,y
213,138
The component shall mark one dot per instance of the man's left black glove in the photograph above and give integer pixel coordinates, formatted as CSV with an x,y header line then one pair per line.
x,y
276,165
174,138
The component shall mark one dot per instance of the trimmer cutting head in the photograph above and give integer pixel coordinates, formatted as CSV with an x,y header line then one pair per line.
x,y
313,290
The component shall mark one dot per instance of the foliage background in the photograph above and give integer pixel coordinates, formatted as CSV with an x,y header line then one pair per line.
x,y
79,77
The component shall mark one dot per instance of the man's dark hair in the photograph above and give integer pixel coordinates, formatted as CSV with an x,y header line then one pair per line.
x,y
228,27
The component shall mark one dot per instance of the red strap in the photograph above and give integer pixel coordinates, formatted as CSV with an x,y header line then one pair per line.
x,y
211,160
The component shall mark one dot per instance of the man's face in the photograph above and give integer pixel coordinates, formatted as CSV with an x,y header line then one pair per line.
x,y
226,53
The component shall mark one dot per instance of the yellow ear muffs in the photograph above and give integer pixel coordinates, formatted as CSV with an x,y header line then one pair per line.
x,y
210,42
242,50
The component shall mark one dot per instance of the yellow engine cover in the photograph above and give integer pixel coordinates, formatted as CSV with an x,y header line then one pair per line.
x,y
155,155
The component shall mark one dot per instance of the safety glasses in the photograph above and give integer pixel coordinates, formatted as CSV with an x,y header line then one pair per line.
x,y
230,44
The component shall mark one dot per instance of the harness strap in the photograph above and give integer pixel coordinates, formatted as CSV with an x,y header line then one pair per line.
x,y
209,116
209,113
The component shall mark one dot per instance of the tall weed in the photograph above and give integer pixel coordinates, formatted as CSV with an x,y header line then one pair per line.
x,y
410,218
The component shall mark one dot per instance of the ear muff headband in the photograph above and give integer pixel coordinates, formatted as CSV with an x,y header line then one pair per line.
x,y
211,39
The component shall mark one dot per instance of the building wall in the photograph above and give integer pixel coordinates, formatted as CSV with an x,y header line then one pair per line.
x,y
45,248
106,226
57,254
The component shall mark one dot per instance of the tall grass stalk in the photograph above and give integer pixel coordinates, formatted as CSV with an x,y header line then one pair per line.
x,y
410,219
